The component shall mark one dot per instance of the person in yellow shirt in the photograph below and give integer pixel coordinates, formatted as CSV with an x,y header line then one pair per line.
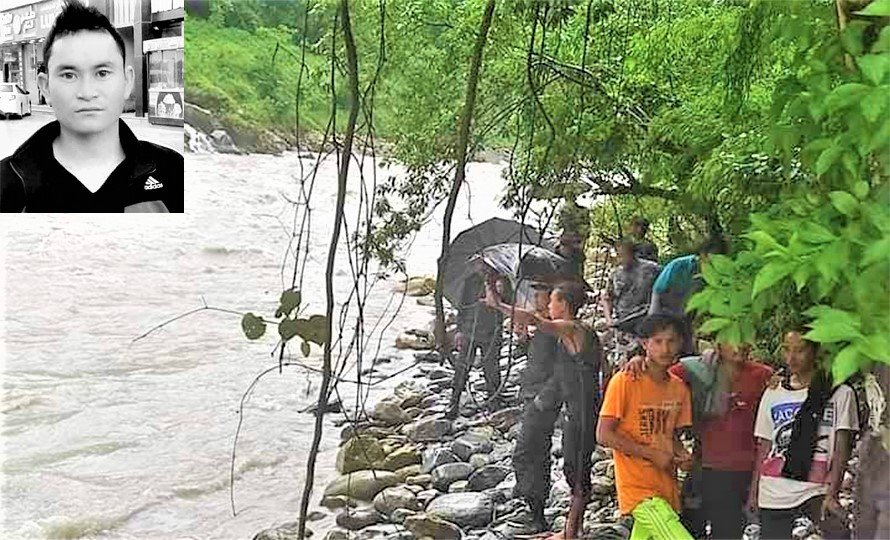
x,y
641,421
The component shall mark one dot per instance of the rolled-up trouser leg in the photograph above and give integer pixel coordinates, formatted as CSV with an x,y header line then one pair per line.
x,y
531,455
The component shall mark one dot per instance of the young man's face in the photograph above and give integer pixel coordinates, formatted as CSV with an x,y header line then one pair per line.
x,y
626,254
86,81
663,347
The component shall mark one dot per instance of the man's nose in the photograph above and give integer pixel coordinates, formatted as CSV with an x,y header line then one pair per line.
x,y
87,88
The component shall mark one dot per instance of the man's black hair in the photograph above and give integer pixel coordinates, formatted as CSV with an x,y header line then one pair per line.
x,y
626,242
76,17
713,245
642,223
573,293
659,322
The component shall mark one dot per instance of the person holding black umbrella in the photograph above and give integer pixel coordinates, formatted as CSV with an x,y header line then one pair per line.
x,y
478,330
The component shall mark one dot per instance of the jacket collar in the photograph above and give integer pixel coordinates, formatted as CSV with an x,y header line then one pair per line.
x,y
29,161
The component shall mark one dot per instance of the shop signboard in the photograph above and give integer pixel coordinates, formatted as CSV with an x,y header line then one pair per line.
x,y
29,22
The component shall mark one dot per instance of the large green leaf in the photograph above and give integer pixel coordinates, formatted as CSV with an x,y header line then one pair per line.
x,y
877,251
254,327
765,241
314,329
290,300
832,325
877,8
845,364
883,42
287,328
771,274
815,233
845,95
844,202
876,346
713,325
827,158
875,67
874,103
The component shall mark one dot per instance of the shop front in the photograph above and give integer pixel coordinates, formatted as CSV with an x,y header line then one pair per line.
x,y
23,31
165,84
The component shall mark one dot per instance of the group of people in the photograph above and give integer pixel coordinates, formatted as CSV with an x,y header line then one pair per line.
x,y
751,442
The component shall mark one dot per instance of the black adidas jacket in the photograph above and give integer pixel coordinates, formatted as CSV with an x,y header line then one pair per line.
x,y
148,180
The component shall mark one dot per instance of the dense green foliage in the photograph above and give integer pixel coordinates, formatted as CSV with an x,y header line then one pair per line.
x,y
753,119
822,252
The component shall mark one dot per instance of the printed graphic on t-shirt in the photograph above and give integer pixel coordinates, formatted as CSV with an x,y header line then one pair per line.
x,y
782,415
654,420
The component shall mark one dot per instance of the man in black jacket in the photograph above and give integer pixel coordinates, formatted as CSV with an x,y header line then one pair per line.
x,y
88,160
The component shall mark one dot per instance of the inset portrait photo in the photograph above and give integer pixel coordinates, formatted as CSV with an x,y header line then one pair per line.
x,y
91,104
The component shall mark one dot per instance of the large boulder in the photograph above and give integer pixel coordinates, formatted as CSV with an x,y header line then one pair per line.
x,y
407,455
338,501
384,531
464,509
359,453
287,531
432,429
433,457
223,142
469,444
458,487
426,526
410,393
362,485
487,477
479,460
416,340
389,413
399,515
447,474
390,499
418,286
405,472
358,519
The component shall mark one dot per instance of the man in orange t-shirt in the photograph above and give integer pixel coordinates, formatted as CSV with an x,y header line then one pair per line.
x,y
640,420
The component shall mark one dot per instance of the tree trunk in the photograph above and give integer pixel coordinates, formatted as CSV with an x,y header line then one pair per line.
x,y
352,71
463,139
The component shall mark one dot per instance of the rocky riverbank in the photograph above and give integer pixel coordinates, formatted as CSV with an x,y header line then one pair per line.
x,y
407,472
205,132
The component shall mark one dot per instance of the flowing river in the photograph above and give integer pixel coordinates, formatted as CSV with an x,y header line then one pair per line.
x,y
104,437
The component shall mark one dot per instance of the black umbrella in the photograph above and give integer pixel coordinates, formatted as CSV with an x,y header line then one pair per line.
x,y
524,262
455,268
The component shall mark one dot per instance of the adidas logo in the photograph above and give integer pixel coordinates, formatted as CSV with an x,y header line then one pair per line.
x,y
151,183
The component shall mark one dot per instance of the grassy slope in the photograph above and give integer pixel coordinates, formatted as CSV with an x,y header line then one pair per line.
x,y
231,72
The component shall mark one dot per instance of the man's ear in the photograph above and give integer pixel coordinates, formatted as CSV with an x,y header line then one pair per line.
x,y
43,84
130,75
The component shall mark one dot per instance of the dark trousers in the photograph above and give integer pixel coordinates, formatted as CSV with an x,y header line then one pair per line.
x,y
491,368
723,498
531,455
777,524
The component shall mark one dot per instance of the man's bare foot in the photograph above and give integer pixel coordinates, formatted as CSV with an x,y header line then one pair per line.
x,y
556,536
